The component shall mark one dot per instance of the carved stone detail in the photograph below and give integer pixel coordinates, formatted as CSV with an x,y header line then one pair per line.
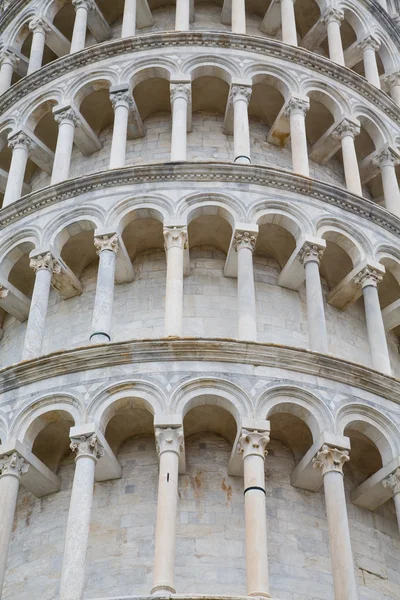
x,y
3,292
346,127
175,237
180,90
393,482
9,57
121,97
244,239
106,242
45,261
368,276
14,465
369,42
310,252
253,442
39,24
386,157
297,105
20,139
169,439
332,14
67,114
87,445
88,4
240,92
330,459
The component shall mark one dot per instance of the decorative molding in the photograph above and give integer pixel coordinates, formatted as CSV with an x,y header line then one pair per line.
x,y
253,443
105,356
269,177
87,445
13,465
169,439
164,40
330,459
393,482
106,242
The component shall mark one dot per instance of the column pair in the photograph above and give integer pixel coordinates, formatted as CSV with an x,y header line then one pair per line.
x,y
296,110
8,62
330,461
332,18
39,29
369,278
393,483
12,467
369,46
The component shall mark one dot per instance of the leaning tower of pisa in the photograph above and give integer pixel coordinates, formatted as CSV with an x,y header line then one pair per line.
x,y
199,299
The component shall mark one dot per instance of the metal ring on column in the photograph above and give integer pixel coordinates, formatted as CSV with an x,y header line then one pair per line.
x,y
254,487
100,333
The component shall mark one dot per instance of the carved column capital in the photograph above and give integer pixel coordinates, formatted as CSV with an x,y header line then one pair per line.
x,y
332,15
180,90
244,239
297,105
87,445
240,92
106,242
169,439
121,98
87,4
13,465
175,237
3,292
368,276
369,42
330,459
67,114
253,443
393,79
393,482
20,140
8,57
346,127
310,253
387,157
39,25
45,261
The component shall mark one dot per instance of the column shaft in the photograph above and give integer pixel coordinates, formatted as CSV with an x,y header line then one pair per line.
x,y
238,16
180,95
350,165
376,331
9,486
129,19
310,256
395,93
175,242
371,67
8,63
78,524
37,50
241,131
120,132
182,15
396,499
335,42
63,154
169,445
38,310
289,34
393,483
247,321
297,110
80,25
16,173
107,248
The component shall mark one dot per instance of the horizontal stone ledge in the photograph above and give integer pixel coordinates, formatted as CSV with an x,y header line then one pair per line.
x,y
182,597
222,350
201,172
207,39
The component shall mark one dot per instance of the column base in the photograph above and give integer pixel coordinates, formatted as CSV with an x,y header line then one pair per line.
x,y
99,337
161,590
262,594
242,160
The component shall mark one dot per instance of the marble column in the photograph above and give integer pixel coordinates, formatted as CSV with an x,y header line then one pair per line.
x,y
252,445
82,8
310,256
169,442
393,483
393,81
180,99
289,34
11,469
122,104
21,144
240,98
296,111
387,160
369,46
88,450
175,244
332,18
346,132
67,121
8,63
107,248
369,279
330,461
129,19
44,266
244,244
39,29
238,16
182,15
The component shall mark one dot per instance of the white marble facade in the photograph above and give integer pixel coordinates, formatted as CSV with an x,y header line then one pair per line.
x,y
199,300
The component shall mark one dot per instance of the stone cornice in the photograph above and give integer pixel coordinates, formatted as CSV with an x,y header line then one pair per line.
x,y
201,172
199,349
264,46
